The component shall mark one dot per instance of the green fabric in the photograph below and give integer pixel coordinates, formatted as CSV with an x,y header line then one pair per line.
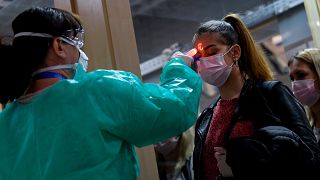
x,y
87,128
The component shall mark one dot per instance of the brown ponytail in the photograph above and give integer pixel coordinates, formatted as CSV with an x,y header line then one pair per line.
x,y
252,62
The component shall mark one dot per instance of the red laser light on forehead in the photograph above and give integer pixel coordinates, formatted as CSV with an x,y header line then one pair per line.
x,y
200,47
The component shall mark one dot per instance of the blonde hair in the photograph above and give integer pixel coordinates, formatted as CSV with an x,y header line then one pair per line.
x,y
252,62
312,57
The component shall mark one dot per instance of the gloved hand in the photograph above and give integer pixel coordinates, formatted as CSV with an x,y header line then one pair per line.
x,y
187,59
224,168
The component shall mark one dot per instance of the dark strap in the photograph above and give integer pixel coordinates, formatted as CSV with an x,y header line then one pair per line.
x,y
203,122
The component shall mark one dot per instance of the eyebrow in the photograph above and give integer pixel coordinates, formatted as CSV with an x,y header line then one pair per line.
x,y
207,47
298,71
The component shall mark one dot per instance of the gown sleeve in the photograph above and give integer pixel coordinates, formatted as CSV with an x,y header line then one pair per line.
x,y
144,114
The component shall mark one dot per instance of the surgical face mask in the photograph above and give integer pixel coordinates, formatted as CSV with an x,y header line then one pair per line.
x,y
81,66
83,58
214,70
306,92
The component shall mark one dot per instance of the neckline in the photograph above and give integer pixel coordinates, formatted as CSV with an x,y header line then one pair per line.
x,y
47,75
228,101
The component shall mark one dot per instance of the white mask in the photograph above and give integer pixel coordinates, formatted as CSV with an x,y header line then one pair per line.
x,y
83,60
81,66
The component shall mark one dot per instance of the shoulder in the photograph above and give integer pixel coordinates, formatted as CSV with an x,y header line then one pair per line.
x,y
274,92
273,87
269,85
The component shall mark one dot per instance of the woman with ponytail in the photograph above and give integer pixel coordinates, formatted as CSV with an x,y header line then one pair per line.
x,y
256,129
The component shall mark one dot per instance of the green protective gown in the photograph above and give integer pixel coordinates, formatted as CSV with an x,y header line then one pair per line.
x,y
87,128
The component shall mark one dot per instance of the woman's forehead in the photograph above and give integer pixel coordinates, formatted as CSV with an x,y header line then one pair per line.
x,y
208,38
299,65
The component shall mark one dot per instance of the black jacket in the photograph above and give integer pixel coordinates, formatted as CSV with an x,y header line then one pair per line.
x,y
268,103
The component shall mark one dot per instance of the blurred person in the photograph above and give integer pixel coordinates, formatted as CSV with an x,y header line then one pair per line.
x,y
256,129
63,123
174,156
304,71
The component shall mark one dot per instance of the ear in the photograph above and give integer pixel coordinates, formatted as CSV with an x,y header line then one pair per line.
x,y
59,48
236,53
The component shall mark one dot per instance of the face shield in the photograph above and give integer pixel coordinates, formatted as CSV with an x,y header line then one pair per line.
x,y
73,37
75,40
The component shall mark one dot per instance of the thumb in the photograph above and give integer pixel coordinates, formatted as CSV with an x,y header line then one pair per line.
x,y
187,59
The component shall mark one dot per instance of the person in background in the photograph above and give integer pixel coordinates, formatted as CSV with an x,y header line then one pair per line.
x,y
63,123
174,157
225,144
304,71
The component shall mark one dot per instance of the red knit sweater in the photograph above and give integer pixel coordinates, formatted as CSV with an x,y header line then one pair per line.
x,y
218,127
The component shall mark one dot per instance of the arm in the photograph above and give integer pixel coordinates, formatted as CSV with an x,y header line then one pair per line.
x,y
144,114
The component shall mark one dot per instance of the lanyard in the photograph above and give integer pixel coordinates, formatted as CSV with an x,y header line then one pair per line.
x,y
47,74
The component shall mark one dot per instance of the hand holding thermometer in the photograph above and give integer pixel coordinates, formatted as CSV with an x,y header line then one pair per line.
x,y
194,54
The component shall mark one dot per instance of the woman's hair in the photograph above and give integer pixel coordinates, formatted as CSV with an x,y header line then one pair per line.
x,y
252,62
311,57
19,60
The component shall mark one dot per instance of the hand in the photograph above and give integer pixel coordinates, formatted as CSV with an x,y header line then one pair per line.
x,y
224,168
187,59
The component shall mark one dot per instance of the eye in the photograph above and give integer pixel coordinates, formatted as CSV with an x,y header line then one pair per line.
x,y
210,52
299,75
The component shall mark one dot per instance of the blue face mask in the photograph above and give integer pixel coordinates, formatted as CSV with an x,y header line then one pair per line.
x,y
80,72
83,60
